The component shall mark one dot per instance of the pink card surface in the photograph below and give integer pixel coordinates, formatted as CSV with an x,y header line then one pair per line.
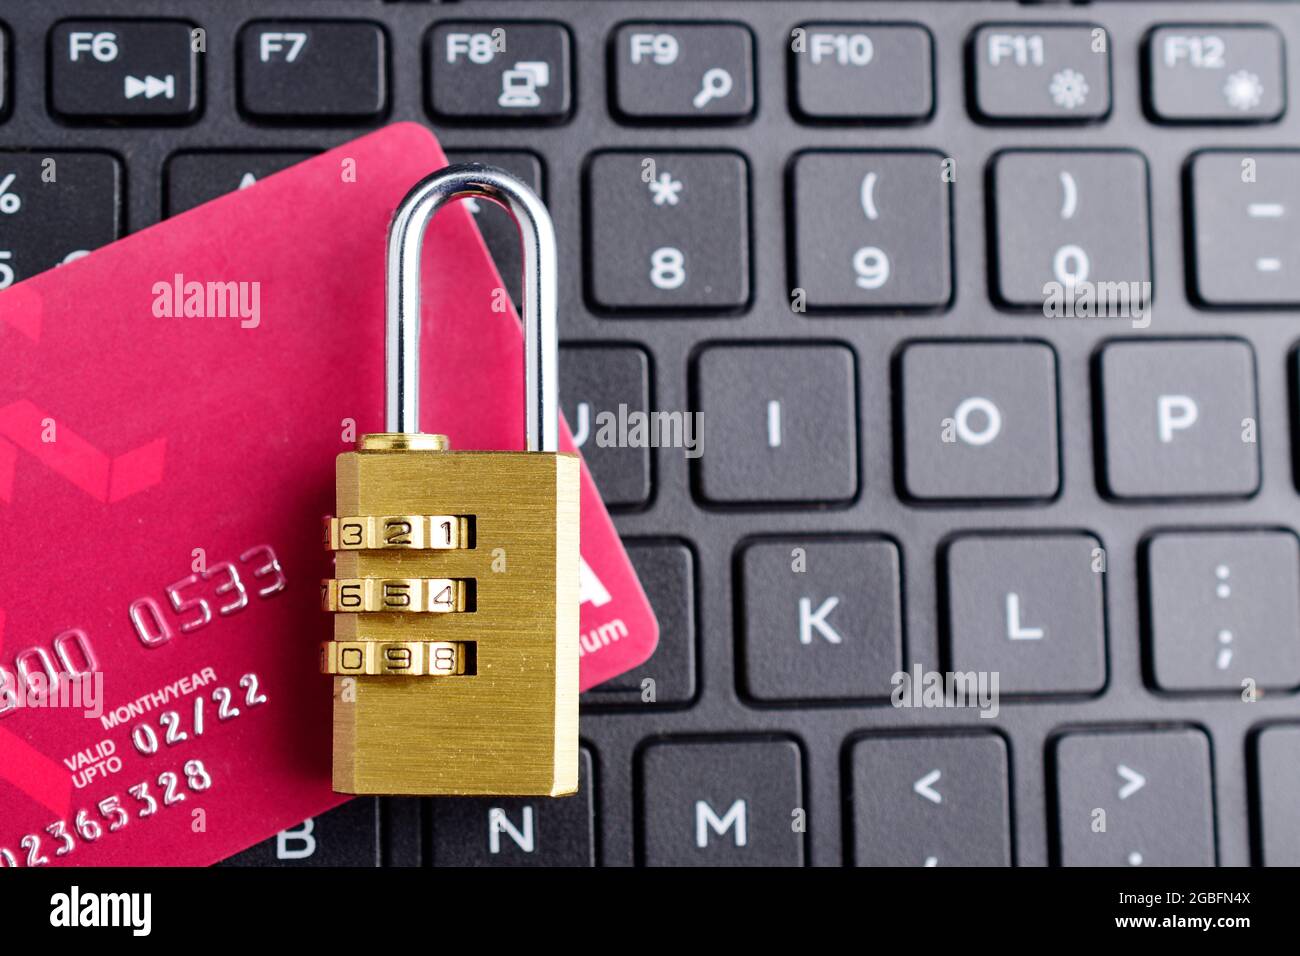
x,y
163,475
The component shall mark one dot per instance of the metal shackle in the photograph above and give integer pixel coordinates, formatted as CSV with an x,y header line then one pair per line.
x,y
402,303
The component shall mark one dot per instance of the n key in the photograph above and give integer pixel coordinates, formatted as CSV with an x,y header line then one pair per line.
x,y
143,71
518,831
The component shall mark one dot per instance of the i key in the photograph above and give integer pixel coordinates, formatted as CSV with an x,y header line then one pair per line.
x,y
142,71
780,426
303,69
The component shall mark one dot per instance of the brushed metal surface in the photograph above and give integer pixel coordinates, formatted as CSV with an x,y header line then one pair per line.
x,y
512,727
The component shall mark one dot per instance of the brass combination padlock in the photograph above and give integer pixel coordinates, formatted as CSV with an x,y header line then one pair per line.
x,y
455,651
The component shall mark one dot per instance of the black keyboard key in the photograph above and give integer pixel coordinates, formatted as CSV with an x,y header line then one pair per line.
x,y
1216,73
690,247
1140,798
1180,419
313,70
979,421
1030,608
5,96
144,71
724,803
1245,218
862,71
602,386
1225,610
933,800
666,570
348,835
1277,780
518,831
780,424
402,831
507,71
194,178
54,208
1033,72
499,230
1071,218
684,71
871,230
822,618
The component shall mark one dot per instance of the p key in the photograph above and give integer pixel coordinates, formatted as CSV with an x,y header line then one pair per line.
x,y
1180,419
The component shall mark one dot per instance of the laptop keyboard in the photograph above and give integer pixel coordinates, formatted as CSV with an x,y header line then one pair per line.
x,y
846,217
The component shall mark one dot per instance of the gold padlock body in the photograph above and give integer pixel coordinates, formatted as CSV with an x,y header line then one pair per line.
x,y
509,728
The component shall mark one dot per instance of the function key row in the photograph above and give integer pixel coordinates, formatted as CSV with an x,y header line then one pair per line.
x,y
1119,797
337,71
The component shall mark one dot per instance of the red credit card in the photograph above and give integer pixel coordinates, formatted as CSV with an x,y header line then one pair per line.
x,y
170,410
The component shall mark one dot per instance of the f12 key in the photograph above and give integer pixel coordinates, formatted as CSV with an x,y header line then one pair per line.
x,y
141,71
